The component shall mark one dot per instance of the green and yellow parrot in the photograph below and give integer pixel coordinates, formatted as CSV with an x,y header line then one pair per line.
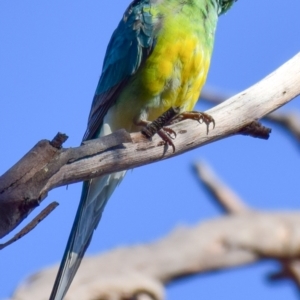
x,y
157,58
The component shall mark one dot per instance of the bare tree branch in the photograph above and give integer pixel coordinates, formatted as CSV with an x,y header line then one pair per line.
x,y
231,203
31,225
211,245
288,121
45,167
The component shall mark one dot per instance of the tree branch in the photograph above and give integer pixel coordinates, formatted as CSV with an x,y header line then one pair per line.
x,y
233,204
290,122
226,198
127,272
45,167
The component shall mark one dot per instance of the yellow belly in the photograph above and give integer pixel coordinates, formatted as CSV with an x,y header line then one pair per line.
x,y
173,75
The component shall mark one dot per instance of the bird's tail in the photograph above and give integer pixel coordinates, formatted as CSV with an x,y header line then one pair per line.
x,y
95,194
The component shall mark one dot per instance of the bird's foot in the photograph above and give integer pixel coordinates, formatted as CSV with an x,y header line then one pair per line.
x,y
158,126
172,116
201,117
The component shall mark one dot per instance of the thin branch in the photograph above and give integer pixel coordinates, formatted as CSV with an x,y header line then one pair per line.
x,y
225,197
288,121
31,225
48,167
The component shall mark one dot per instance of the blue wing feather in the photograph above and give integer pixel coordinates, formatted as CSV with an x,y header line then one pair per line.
x,y
131,43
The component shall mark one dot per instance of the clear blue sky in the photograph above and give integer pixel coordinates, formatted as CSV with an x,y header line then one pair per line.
x,y
50,60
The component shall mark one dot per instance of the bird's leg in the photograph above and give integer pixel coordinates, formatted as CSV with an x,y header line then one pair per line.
x,y
172,116
158,126
201,117
166,134
150,128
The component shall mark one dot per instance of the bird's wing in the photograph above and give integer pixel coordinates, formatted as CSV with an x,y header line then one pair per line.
x,y
131,43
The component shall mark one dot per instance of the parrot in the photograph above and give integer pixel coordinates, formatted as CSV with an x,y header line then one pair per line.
x,y
157,58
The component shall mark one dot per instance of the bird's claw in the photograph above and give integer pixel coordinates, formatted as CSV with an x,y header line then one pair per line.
x,y
170,132
201,117
166,135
